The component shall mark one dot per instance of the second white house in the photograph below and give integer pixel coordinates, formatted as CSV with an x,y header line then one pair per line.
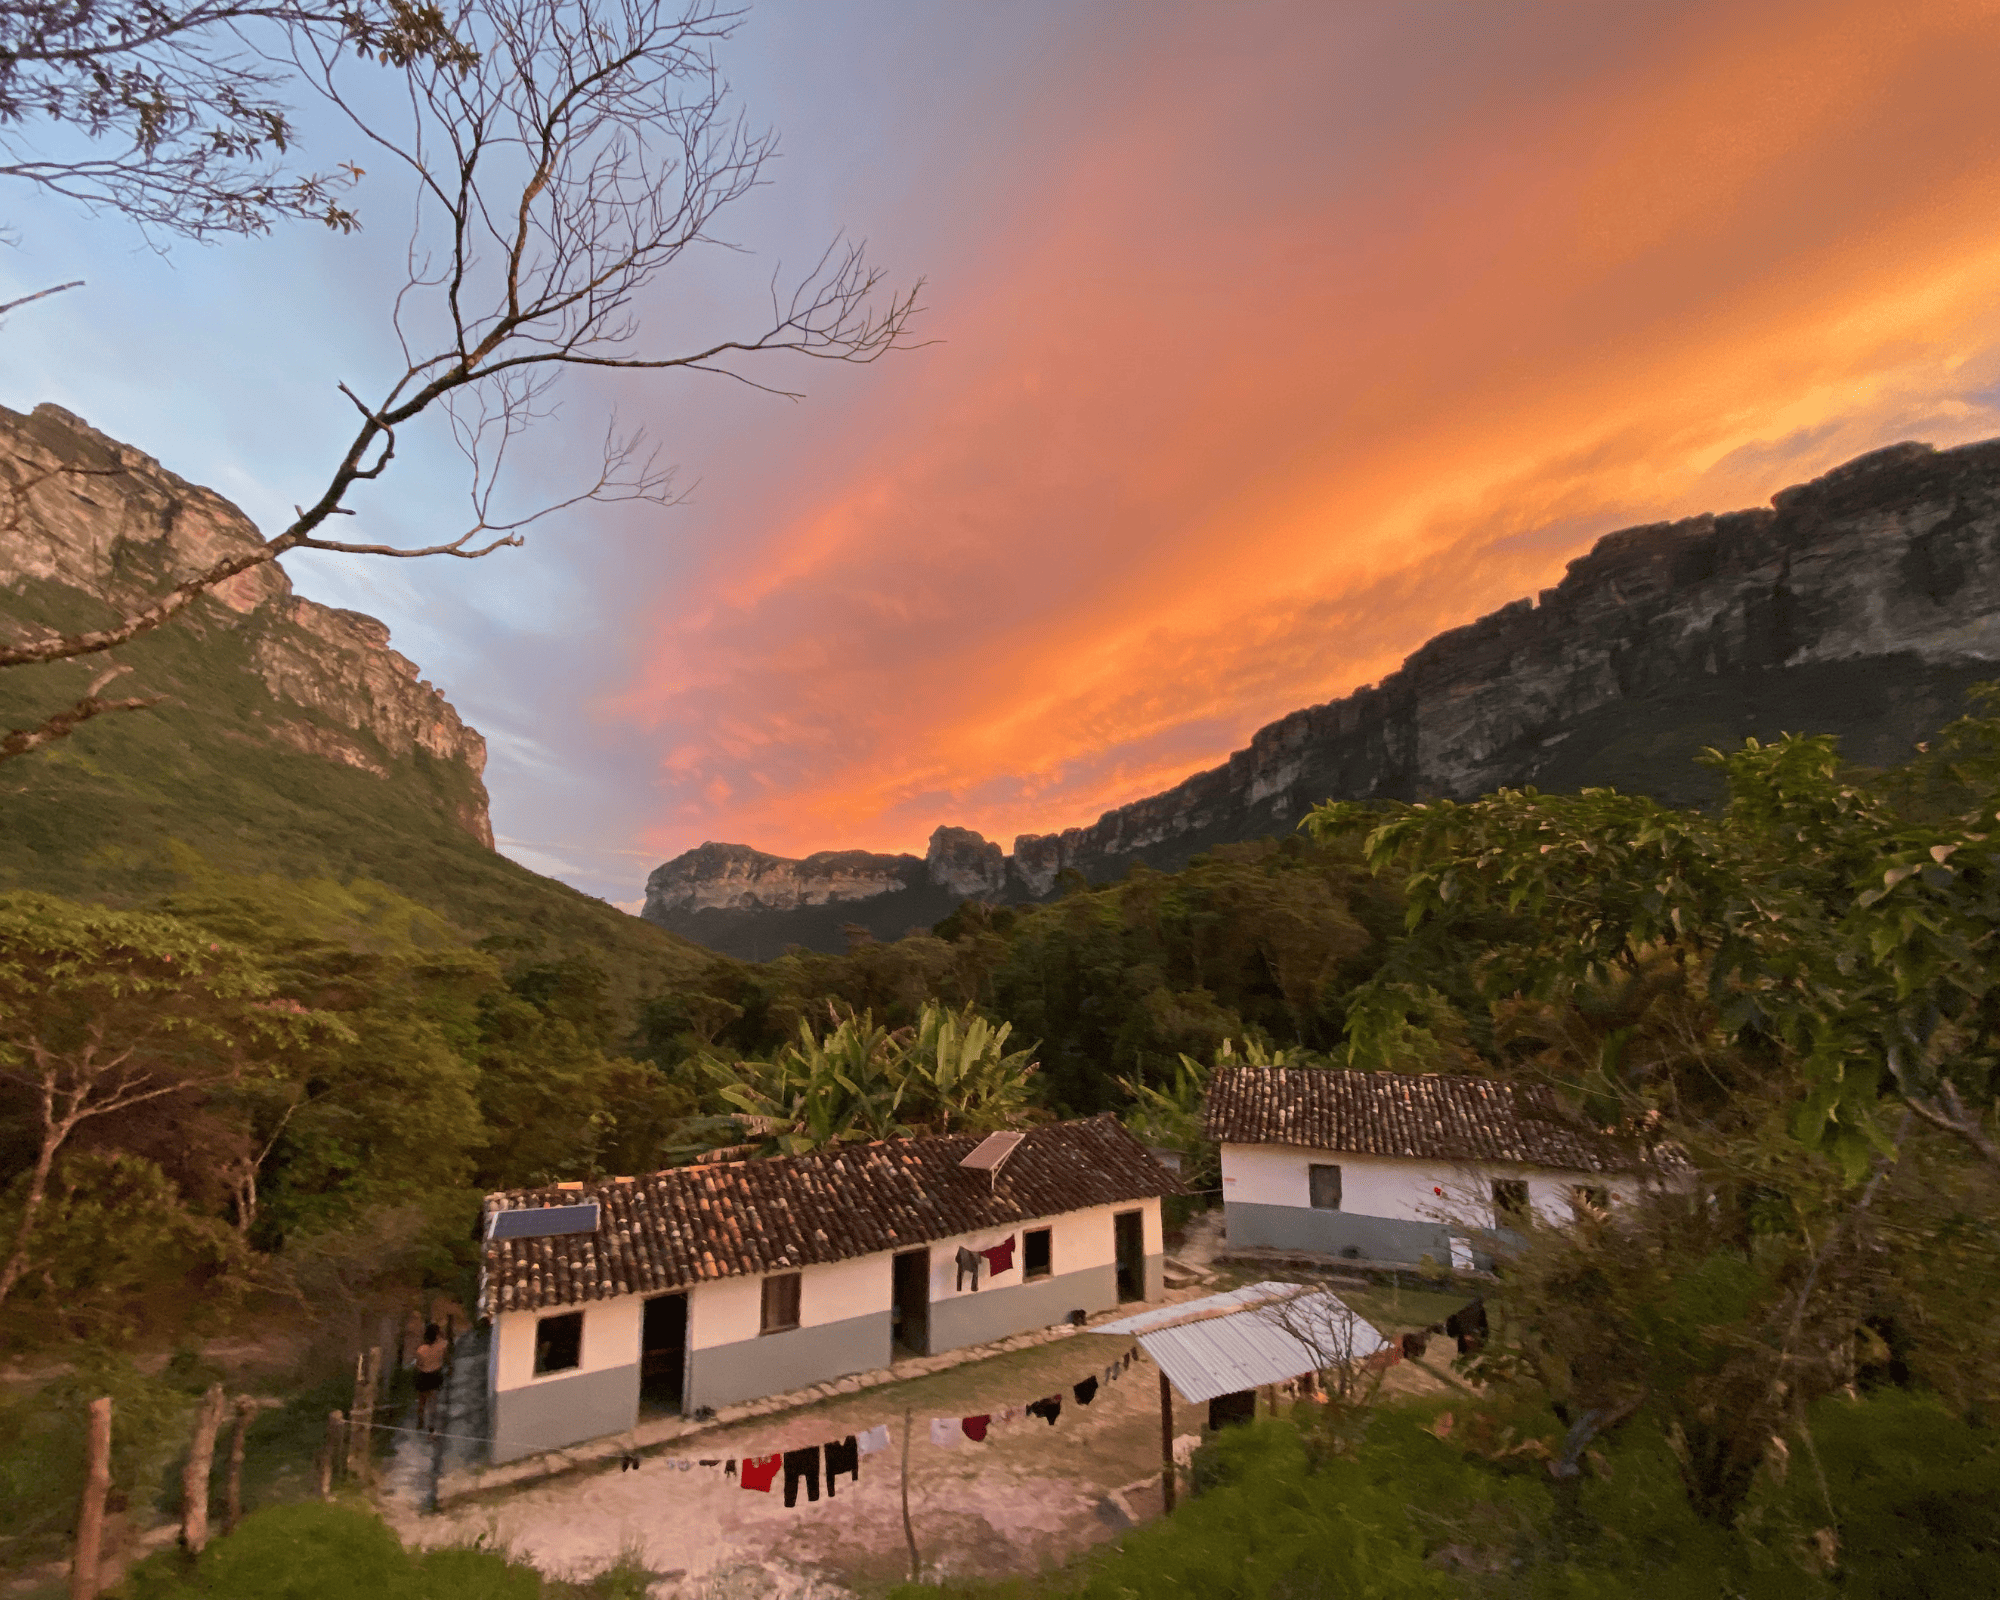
x,y
1396,1166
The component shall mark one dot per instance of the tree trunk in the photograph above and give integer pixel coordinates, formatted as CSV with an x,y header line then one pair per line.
x,y
90,1517
194,1479
233,1513
38,1186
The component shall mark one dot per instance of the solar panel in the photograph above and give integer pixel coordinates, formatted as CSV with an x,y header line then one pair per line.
x,y
539,1222
995,1148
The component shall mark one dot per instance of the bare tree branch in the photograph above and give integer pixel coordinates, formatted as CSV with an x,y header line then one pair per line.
x,y
19,741
39,294
574,151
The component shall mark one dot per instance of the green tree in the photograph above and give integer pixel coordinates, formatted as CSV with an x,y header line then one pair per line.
x,y
105,1011
1813,915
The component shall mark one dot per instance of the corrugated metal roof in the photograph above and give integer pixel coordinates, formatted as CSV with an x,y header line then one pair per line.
x,y
1206,1306
1227,1351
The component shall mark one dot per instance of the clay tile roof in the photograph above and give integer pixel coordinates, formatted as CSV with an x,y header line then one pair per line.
x,y
1430,1116
692,1224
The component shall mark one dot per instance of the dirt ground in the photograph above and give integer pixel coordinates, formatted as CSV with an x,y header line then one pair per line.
x,y
1029,1498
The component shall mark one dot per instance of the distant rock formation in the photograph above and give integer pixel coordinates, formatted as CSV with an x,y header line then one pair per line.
x,y
81,512
1863,603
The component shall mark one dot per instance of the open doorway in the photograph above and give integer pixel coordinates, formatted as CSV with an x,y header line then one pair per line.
x,y
910,1305
663,1354
1131,1241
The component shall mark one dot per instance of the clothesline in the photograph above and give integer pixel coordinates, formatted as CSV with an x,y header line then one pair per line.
x,y
842,1457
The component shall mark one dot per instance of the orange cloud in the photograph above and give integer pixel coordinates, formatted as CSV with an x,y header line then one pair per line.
x,y
1192,457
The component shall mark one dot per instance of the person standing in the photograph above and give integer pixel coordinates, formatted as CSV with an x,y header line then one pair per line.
x,y
430,1374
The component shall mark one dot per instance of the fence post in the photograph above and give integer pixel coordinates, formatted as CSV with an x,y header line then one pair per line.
x,y
1166,1441
90,1517
194,1478
330,1453
233,1506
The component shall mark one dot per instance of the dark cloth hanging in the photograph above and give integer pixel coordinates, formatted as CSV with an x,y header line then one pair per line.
x,y
842,1455
999,1257
1085,1391
1468,1326
713,1461
1415,1344
801,1465
968,1267
759,1471
975,1427
729,1471
1048,1409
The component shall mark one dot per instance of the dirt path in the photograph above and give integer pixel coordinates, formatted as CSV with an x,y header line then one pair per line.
x,y
1030,1497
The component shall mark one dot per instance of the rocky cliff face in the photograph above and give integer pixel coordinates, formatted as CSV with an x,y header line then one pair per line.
x,y
1862,603
83,514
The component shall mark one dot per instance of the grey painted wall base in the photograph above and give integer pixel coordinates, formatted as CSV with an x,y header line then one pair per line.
x,y
775,1363
1335,1232
563,1411
1007,1308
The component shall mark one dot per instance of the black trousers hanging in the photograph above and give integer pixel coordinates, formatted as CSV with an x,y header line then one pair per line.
x,y
842,1455
801,1464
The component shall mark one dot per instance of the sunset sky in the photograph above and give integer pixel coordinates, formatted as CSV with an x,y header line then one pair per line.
x,y
1268,341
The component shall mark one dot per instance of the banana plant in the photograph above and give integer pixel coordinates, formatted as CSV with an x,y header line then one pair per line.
x,y
962,1075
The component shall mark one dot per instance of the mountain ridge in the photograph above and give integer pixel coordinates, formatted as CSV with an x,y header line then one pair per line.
x,y
1863,602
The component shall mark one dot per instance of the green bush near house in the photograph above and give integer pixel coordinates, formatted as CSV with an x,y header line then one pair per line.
x,y
327,1552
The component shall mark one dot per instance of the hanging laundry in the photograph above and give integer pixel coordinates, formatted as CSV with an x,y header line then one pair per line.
x,y
999,1257
968,1267
730,1470
710,1461
975,1428
801,1465
944,1431
876,1438
1468,1326
1009,1414
1415,1344
759,1471
842,1455
1085,1391
1048,1409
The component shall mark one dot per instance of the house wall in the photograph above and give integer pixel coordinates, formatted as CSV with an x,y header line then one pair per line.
x,y
1390,1209
844,1328
1083,1256
598,1396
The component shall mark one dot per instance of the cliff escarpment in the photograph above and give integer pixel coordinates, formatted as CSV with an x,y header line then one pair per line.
x,y
1863,604
290,738
90,528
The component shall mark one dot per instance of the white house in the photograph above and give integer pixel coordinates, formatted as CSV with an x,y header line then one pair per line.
x,y
1396,1166
710,1284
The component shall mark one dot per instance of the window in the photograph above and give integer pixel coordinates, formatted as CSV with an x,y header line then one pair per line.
x,y
1588,1199
781,1303
559,1343
1035,1254
1325,1188
1510,1200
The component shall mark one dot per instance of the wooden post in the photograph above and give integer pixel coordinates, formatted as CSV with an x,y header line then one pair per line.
x,y
233,1505
90,1516
331,1452
1167,1441
194,1478
909,1532
360,1437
